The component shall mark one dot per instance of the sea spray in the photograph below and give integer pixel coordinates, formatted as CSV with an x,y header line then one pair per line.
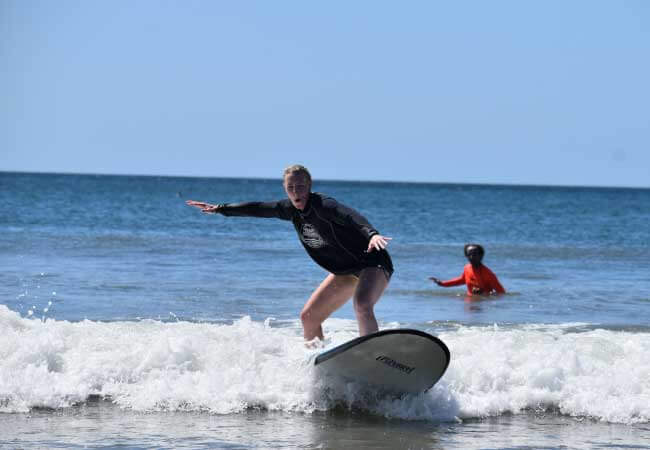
x,y
594,373
150,365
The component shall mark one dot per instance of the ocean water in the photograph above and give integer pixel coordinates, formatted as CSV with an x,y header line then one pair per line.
x,y
128,319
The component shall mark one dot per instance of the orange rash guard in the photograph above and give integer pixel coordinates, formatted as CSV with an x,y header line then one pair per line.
x,y
480,277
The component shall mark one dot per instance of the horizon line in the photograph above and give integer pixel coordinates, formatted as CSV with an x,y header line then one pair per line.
x,y
343,180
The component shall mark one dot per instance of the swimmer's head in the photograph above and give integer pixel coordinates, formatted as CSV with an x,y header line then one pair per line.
x,y
296,169
474,253
297,184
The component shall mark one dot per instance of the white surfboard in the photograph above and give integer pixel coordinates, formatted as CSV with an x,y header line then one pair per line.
x,y
399,361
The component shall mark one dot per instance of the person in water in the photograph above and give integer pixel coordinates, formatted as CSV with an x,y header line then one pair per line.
x,y
337,238
480,280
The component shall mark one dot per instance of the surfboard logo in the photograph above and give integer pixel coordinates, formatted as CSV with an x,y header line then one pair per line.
x,y
310,237
394,364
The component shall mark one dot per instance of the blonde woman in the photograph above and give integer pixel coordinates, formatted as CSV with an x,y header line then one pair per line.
x,y
337,238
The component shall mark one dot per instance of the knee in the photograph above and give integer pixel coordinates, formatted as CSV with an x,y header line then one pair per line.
x,y
306,316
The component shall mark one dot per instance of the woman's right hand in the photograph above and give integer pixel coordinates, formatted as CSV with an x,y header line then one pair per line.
x,y
207,208
435,280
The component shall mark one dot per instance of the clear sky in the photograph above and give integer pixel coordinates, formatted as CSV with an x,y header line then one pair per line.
x,y
516,92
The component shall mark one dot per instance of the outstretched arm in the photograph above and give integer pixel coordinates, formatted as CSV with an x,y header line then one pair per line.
x,y
207,208
453,282
280,209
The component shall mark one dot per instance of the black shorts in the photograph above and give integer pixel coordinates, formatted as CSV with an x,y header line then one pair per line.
x,y
380,259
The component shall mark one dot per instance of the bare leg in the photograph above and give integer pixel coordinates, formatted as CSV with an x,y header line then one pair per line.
x,y
372,283
332,293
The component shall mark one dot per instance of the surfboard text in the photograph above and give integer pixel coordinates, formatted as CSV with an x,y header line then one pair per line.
x,y
394,364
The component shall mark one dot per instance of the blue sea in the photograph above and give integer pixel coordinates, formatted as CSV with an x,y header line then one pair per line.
x,y
128,319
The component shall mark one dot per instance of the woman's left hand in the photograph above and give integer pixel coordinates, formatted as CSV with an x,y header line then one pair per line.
x,y
378,242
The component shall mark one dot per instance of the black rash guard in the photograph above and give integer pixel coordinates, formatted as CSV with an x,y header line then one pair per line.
x,y
335,236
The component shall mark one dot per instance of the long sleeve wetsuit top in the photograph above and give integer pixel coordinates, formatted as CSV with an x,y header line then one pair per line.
x,y
476,277
334,235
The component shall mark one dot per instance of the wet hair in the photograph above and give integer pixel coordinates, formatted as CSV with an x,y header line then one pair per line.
x,y
480,249
296,168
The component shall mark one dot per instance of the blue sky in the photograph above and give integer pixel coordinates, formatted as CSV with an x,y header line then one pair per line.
x,y
514,92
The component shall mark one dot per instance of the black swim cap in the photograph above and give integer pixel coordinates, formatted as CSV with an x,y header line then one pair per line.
x,y
479,249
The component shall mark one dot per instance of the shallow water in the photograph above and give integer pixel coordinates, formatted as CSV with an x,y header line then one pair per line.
x,y
98,424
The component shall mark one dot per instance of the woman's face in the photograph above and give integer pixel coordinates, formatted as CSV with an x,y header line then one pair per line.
x,y
297,187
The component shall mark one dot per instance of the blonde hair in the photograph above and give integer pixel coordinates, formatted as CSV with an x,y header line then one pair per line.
x,y
296,168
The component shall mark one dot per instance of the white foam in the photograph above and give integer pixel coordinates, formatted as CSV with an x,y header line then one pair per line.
x,y
152,365
600,374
